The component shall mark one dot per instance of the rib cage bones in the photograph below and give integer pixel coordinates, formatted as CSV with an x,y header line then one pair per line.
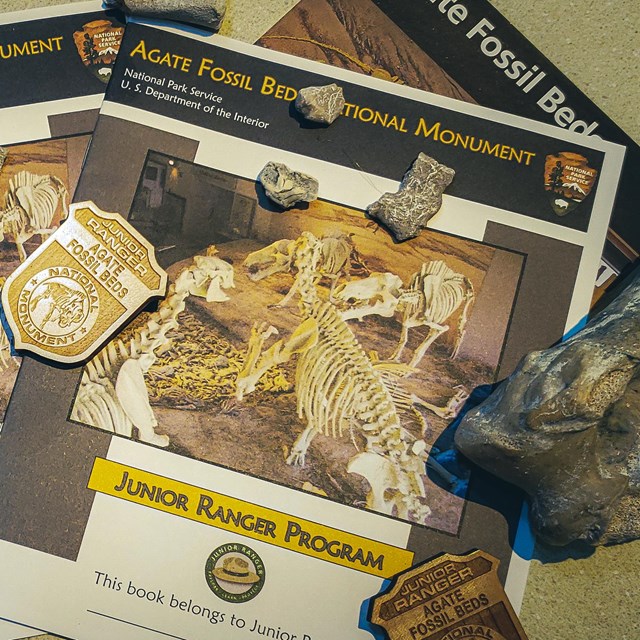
x,y
434,294
30,205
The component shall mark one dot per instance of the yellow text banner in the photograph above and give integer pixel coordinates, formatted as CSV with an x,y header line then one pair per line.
x,y
248,519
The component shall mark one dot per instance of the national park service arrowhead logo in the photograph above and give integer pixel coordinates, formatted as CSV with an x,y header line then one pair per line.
x,y
76,290
568,180
448,598
98,43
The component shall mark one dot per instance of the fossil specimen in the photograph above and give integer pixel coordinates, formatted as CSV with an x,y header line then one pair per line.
x,y
286,187
210,276
320,104
113,394
434,294
564,427
30,205
419,198
338,388
205,13
338,258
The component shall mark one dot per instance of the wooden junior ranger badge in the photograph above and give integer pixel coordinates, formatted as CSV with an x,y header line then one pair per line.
x,y
448,598
76,290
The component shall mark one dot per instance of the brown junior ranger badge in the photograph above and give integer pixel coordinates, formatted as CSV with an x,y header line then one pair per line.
x,y
448,598
76,290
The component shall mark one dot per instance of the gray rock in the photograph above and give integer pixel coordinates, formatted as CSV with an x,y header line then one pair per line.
x,y
286,187
565,428
204,13
419,198
320,104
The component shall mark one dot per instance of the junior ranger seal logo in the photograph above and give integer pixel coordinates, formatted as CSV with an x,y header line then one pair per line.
x,y
57,304
235,573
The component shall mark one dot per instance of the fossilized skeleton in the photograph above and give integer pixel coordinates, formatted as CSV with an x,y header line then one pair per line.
x,y
113,394
338,258
199,370
339,388
434,294
30,205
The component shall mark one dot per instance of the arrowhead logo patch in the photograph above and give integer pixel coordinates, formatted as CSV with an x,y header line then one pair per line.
x,y
568,180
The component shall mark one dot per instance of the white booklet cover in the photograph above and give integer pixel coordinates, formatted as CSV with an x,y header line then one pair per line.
x,y
55,63
223,469
54,66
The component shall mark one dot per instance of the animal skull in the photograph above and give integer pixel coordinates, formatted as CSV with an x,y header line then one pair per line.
x,y
378,294
276,258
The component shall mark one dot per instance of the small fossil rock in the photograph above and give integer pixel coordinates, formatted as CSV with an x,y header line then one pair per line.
x,y
565,428
3,156
419,198
286,187
320,104
204,13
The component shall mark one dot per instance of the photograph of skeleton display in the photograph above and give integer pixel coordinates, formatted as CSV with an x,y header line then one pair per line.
x,y
304,347
35,182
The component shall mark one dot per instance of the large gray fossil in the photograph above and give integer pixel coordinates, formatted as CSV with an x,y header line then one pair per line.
x,y
204,13
565,428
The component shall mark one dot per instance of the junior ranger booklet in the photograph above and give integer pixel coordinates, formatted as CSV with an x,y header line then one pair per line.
x,y
54,67
255,494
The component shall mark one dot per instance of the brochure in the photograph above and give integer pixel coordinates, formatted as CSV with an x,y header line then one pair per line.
x,y
263,451
54,67
467,50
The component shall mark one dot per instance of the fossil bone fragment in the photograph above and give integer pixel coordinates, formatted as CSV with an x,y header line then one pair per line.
x,y
338,258
30,205
210,276
286,187
113,395
434,294
204,13
419,198
339,388
565,428
320,104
